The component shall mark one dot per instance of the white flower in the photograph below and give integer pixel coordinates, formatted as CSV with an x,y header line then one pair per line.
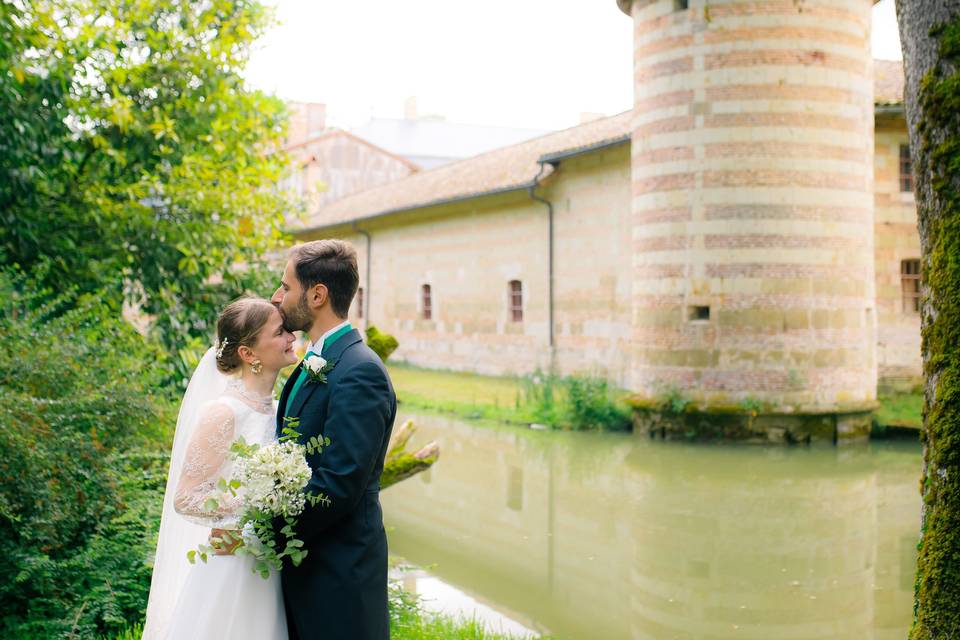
x,y
315,363
273,479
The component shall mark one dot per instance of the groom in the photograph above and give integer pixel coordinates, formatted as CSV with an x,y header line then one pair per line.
x,y
339,591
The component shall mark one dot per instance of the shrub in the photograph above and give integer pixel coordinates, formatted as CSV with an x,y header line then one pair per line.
x,y
578,402
591,405
78,399
383,344
674,402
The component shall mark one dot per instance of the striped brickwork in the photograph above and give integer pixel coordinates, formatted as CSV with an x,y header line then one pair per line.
x,y
752,194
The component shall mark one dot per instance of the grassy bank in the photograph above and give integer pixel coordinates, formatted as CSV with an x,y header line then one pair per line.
x,y
900,410
521,400
467,395
576,402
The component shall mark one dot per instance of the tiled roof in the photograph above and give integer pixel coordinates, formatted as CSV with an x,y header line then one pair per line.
x,y
303,147
516,166
432,143
502,169
888,82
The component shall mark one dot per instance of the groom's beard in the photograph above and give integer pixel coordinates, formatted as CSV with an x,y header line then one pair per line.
x,y
299,318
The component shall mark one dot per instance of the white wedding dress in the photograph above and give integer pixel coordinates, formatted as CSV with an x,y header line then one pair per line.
x,y
222,598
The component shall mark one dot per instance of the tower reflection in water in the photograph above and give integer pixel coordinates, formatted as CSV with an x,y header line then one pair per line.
x,y
598,536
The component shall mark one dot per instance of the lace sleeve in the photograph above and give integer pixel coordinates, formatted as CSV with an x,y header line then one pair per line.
x,y
205,462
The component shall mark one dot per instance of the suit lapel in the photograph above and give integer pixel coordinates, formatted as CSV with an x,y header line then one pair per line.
x,y
332,353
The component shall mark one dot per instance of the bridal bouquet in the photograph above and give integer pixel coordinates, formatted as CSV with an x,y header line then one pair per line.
x,y
269,481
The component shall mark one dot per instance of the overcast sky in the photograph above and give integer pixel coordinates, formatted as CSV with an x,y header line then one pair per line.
x,y
521,63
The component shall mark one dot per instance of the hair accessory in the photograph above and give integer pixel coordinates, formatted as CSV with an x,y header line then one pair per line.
x,y
221,346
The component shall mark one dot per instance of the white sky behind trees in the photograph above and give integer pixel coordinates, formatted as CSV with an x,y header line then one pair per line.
x,y
521,63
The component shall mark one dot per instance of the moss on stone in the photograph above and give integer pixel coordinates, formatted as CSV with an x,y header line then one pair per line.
x,y
937,614
401,467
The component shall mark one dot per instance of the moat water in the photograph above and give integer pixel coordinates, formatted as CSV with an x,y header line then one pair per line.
x,y
602,536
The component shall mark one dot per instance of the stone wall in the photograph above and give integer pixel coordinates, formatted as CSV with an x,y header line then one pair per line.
x,y
338,164
896,239
469,251
752,202
591,197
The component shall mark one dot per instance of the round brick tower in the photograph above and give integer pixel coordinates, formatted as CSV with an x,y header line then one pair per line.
x,y
752,177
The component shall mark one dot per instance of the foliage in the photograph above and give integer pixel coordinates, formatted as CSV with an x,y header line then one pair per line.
x,y
575,402
133,632
408,621
78,398
674,401
383,344
104,584
578,402
133,161
751,405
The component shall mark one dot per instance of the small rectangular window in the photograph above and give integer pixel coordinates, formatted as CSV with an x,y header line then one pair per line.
x,y
427,302
681,5
516,301
906,170
910,285
698,313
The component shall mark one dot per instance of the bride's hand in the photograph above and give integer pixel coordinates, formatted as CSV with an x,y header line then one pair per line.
x,y
224,541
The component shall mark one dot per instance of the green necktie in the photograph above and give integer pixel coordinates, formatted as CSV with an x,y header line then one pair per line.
x,y
300,379
303,369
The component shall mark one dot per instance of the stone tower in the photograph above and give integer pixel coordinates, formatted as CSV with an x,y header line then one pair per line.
x,y
752,205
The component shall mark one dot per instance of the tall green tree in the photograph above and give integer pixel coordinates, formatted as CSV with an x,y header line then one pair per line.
x,y
930,37
133,159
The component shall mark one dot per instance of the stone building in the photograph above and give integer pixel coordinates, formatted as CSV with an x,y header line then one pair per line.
x,y
746,234
334,164
430,141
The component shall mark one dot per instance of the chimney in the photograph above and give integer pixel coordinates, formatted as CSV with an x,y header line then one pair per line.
x,y
410,108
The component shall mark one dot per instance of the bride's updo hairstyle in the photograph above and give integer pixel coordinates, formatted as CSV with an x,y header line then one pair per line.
x,y
239,325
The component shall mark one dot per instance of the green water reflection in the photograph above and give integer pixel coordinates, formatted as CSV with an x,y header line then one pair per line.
x,y
590,536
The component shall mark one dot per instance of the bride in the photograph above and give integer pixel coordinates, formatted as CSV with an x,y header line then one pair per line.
x,y
230,395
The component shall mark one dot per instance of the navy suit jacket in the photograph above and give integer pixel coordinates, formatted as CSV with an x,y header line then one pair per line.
x,y
339,591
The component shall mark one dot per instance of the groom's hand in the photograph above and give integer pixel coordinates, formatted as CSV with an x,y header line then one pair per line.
x,y
224,541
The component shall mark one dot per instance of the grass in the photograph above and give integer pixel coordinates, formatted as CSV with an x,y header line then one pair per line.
x,y
407,622
507,399
467,395
578,402
134,632
901,410
431,627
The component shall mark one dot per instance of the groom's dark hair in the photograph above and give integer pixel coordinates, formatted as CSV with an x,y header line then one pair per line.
x,y
332,263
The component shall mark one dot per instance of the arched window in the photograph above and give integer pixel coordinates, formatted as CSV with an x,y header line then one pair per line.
x,y
427,302
515,301
360,302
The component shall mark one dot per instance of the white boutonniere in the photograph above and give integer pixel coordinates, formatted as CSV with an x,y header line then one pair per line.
x,y
317,368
